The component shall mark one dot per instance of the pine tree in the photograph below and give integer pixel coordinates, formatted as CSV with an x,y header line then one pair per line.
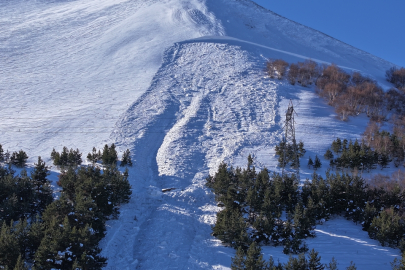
x,y
1,153
301,149
296,263
42,186
337,146
317,163
264,224
20,265
253,202
332,264
67,158
344,144
238,262
35,235
21,231
126,159
314,261
328,155
9,249
271,265
19,158
386,228
352,266
254,258
95,156
399,264
310,163
109,156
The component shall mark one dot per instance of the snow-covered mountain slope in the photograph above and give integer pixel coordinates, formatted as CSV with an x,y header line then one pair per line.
x,y
181,84
70,68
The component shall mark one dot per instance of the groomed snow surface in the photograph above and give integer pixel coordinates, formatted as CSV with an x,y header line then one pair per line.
x,y
181,84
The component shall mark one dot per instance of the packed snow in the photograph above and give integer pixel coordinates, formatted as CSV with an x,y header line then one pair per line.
x,y
182,85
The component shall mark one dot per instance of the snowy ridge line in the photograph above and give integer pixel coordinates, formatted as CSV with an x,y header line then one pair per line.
x,y
296,30
221,39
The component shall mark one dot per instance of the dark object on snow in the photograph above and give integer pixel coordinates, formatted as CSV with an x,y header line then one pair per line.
x,y
167,189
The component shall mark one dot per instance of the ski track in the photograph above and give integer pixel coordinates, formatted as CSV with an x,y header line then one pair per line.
x,y
181,84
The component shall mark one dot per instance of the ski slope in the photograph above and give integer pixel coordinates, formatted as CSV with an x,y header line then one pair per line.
x,y
181,84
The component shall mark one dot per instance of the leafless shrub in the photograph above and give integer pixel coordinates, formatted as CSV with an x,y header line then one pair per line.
x,y
277,68
396,76
293,73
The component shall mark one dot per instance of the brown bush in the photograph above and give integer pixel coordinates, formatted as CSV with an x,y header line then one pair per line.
x,y
331,90
293,73
332,83
357,78
371,97
308,72
277,68
371,131
388,183
395,101
396,76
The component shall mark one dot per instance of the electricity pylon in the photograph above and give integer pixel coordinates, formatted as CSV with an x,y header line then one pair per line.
x,y
290,151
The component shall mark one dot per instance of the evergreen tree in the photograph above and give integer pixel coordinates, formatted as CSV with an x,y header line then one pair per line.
x,y
314,261
21,231
70,158
344,144
55,156
383,160
302,224
369,214
301,149
1,153
20,265
399,264
317,163
387,228
42,186
328,155
94,156
230,228
264,225
35,235
254,258
254,203
9,248
310,163
109,156
63,244
337,146
352,266
332,264
19,158
288,157
296,263
238,262
271,265
126,159
250,162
